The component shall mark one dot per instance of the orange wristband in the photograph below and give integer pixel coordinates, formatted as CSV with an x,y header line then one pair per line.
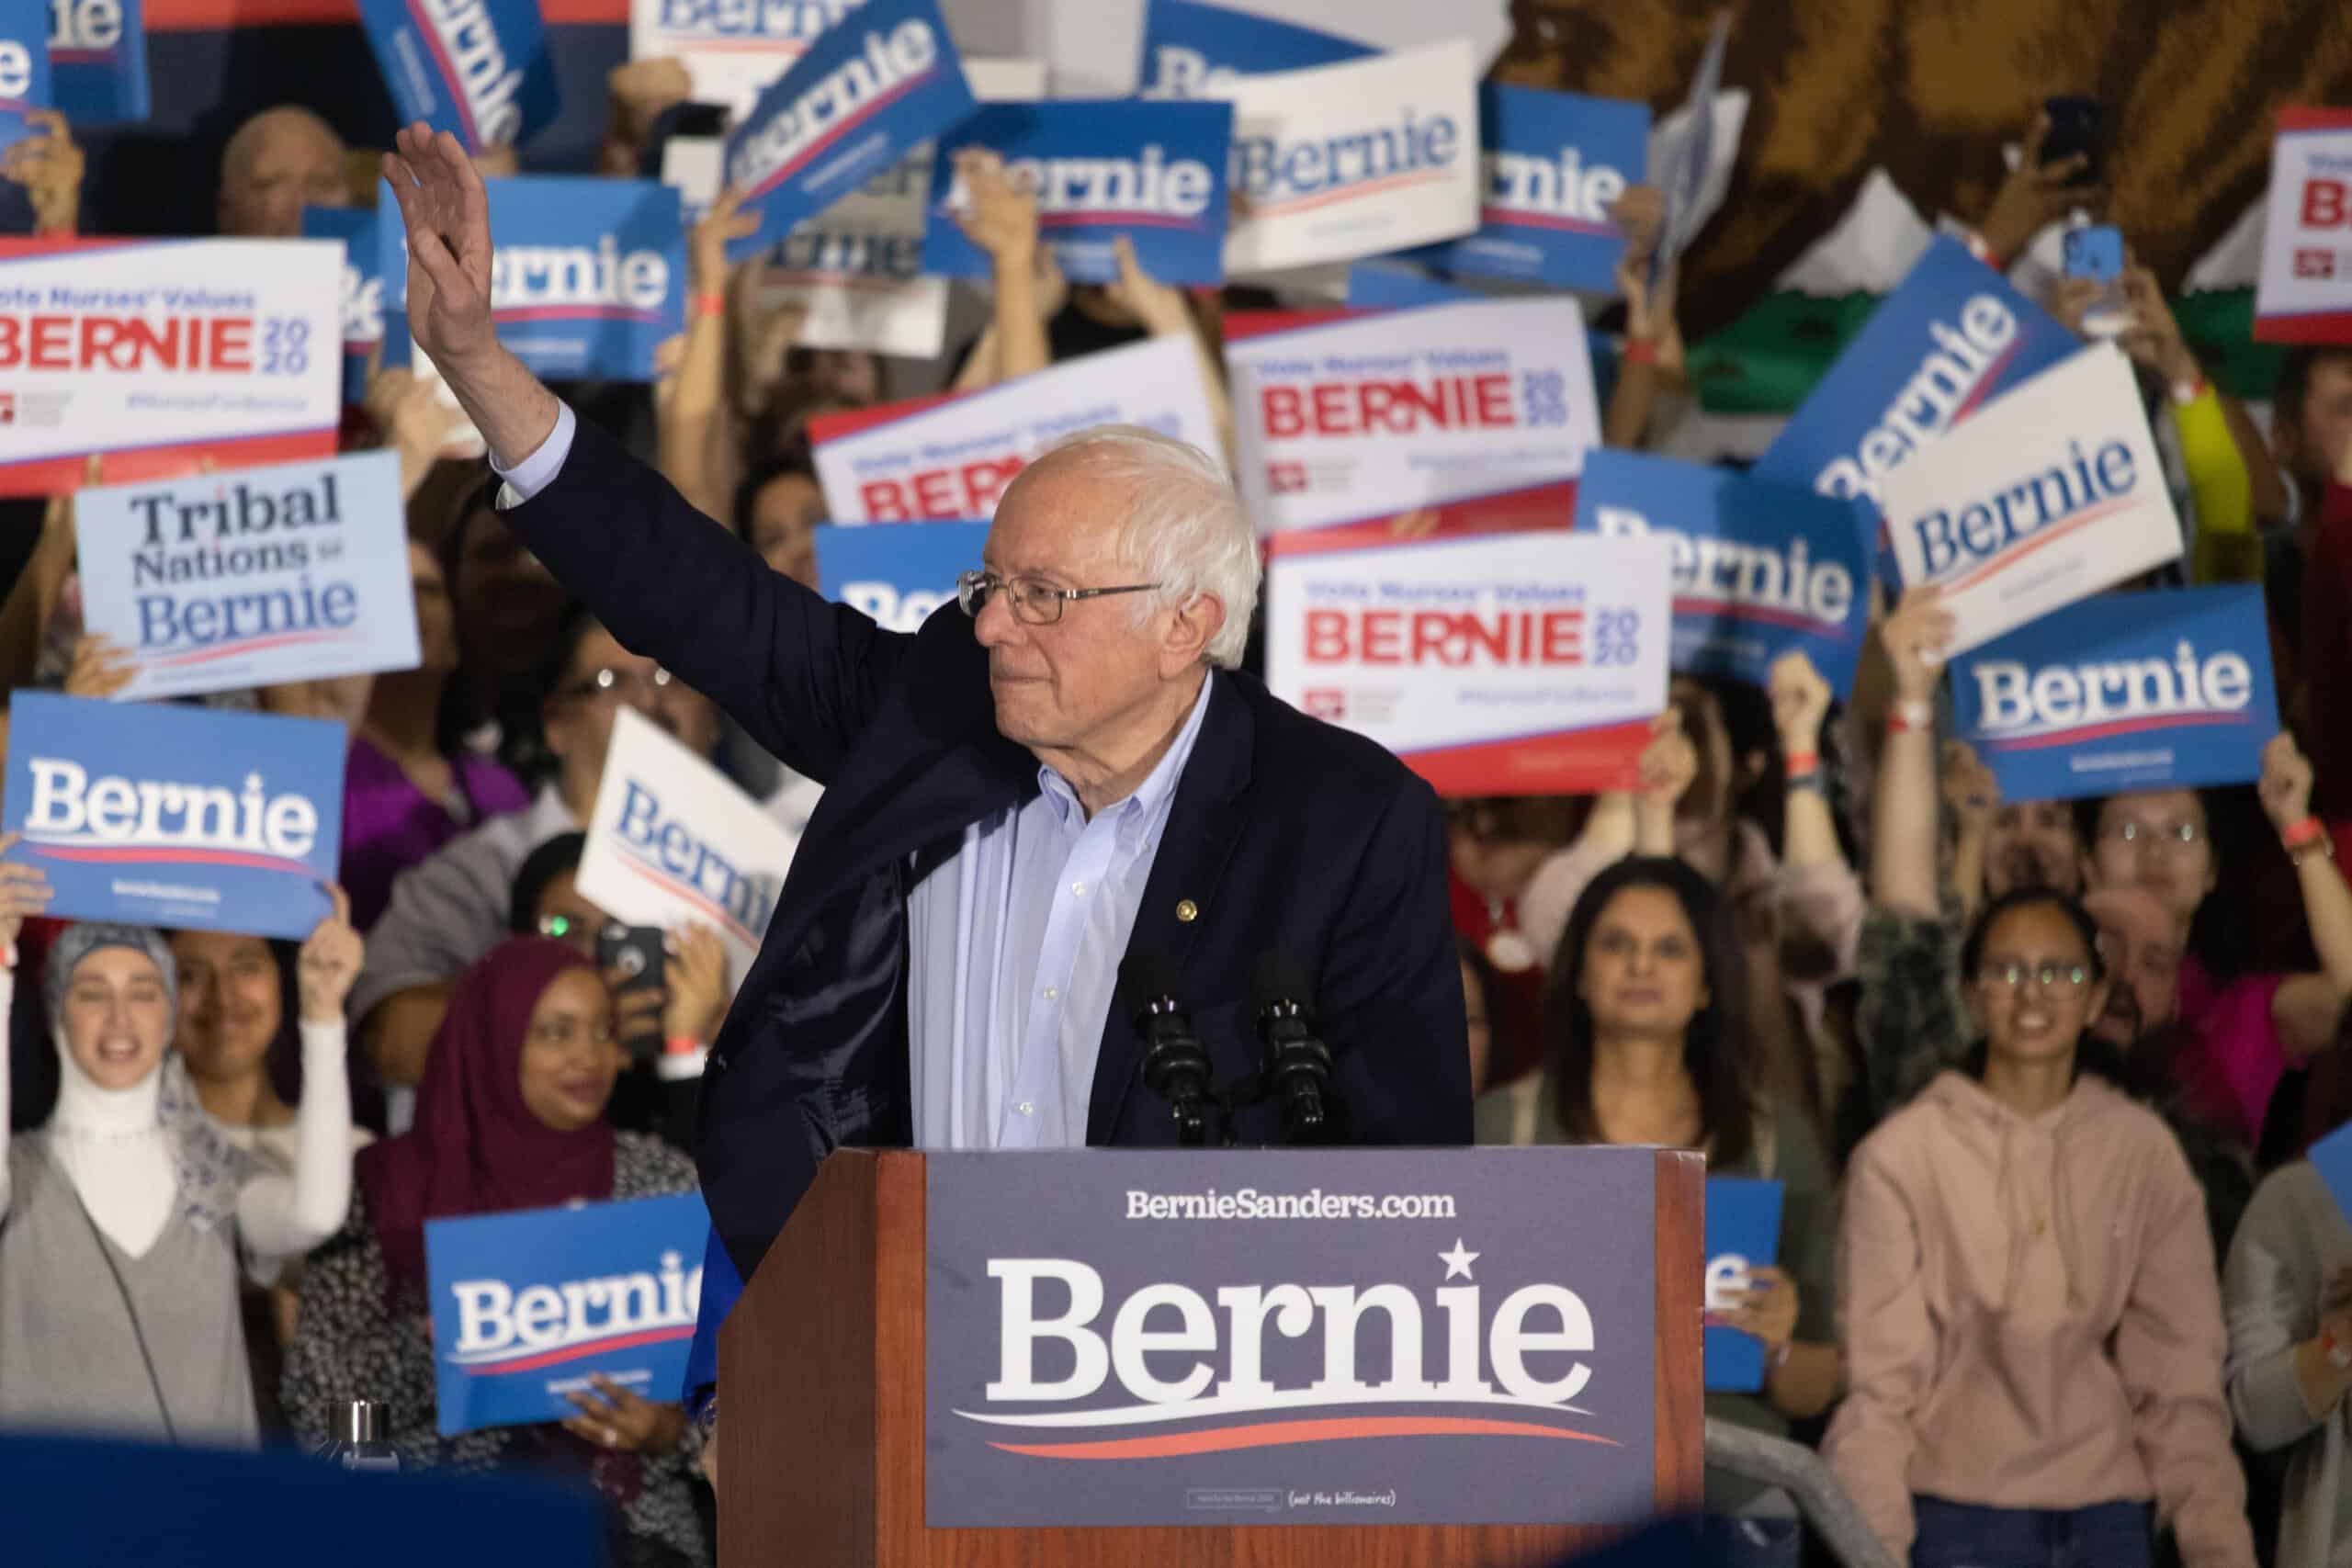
x,y
2297,834
1640,351
709,305
1803,762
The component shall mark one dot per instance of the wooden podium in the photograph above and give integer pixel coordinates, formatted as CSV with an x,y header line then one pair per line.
x,y
823,1368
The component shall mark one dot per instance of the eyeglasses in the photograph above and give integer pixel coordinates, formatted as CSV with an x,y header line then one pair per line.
x,y
2048,975
1034,599
2168,837
630,682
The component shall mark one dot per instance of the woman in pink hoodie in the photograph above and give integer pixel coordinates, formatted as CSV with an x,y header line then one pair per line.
x,y
2030,1315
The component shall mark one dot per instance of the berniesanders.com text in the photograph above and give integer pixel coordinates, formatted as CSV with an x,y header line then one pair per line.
x,y
1249,1203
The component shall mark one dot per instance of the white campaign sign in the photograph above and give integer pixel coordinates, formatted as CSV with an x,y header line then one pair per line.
x,y
935,460
2305,292
2052,493
294,573
165,352
731,49
1519,663
1379,414
672,841
855,269
1354,160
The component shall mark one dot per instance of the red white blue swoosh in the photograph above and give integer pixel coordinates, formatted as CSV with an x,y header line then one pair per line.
x,y
132,852
2041,737
259,643
1338,1420
524,1358
1738,610
807,154
678,887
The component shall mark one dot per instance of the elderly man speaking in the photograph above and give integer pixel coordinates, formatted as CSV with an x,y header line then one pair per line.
x,y
1064,772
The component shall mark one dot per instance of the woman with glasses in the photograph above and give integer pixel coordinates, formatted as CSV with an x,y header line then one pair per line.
x,y
2241,1032
2033,1326
511,1116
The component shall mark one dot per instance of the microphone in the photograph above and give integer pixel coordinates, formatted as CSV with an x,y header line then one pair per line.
x,y
1298,1065
1175,1064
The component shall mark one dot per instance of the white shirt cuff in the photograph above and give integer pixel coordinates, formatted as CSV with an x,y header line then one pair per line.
x,y
537,471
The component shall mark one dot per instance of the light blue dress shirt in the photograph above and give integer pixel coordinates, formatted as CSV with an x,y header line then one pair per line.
x,y
1014,940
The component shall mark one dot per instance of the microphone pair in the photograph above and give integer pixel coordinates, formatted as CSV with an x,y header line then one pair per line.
x,y
1296,1065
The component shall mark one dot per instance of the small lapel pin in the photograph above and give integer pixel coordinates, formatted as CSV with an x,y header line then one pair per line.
x,y
1187,911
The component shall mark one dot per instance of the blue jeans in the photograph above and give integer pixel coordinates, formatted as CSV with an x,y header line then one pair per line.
x,y
1741,1541
1965,1535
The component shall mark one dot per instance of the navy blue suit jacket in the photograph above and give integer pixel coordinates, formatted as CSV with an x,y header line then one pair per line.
x,y
1286,835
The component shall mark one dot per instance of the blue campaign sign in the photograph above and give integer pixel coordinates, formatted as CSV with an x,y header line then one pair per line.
x,y
1386,283
2332,1157
363,285
589,276
24,71
1742,1233
1551,164
97,60
166,816
525,1305
883,78
1154,172
476,69
2167,689
1192,50
1759,568
897,572
255,576
1951,336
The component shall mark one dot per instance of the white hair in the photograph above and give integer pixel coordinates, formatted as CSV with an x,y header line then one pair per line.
x,y
1184,529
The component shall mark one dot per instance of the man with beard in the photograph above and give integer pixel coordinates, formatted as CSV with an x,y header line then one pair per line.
x,y
2143,944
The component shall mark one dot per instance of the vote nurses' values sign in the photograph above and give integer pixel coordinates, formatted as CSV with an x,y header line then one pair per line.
x,y
672,841
2047,497
943,459
527,1304
2169,689
157,352
2305,291
164,816
1341,416
1520,663
223,581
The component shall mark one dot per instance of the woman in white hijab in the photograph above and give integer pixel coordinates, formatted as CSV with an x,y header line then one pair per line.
x,y
123,1219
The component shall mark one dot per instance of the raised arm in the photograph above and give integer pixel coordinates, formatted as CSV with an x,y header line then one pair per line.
x,y
2307,1008
694,418
802,676
286,1216
1902,820
23,891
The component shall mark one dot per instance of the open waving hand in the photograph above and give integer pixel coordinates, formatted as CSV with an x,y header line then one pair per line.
x,y
446,213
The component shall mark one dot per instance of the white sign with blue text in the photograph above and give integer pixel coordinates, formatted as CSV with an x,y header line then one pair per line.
x,y
731,49
97,60
1759,570
255,576
854,103
476,69
1152,171
363,287
587,278
1354,160
525,1305
1553,164
1742,1234
1194,50
160,814
672,841
2168,689
2049,495
899,574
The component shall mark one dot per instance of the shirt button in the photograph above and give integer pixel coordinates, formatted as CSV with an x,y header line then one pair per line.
x,y
1025,1107
1079,888
1052,992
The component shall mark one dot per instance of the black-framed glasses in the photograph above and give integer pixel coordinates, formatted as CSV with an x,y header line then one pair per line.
x,y
628,682
2047,974
2166,837
1033,599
